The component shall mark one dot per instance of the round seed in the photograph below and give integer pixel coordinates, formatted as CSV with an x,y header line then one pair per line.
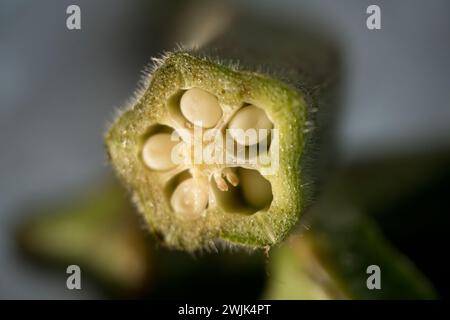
x,y
189,198
200,107
250,117
157,151
256,190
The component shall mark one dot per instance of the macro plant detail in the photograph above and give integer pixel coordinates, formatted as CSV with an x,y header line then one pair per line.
x,y
291,150
212,153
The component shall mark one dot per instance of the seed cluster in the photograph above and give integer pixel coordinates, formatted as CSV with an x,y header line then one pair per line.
x,y
205,185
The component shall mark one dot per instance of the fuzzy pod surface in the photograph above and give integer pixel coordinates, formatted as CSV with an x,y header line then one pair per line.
x,y
288,87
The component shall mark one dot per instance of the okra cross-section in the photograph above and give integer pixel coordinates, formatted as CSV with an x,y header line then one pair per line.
x,y
212,153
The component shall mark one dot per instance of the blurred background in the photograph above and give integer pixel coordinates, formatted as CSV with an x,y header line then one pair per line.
x,y
59,90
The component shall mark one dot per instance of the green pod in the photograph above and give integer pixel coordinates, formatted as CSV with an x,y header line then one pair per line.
x,y
170,147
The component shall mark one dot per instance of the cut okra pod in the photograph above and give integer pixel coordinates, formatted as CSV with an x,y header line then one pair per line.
x,y
213,152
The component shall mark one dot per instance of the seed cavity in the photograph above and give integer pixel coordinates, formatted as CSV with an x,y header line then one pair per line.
x,y
250,117
250,191
256,189
200,108
189,199
157,152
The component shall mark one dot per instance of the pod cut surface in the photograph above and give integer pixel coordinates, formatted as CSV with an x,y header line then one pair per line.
x,y
195,170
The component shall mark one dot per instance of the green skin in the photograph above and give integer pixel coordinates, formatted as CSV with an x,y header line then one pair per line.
x,y
284,105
